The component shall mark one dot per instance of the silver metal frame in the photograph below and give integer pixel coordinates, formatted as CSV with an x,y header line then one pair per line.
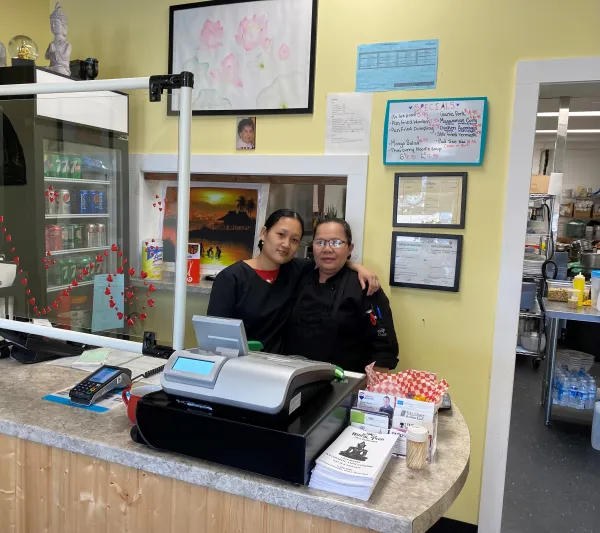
x,y
185,121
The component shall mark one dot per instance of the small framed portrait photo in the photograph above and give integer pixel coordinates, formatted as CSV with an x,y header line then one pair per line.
x,y
245,133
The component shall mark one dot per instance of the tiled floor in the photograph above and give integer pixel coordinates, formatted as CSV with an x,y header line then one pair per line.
x,y
553,473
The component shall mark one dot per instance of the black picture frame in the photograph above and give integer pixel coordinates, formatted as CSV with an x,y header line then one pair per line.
x,y
459,247
308,110
463,207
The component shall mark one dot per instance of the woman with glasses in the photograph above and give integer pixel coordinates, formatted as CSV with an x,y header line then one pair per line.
x,y
333,318
260,291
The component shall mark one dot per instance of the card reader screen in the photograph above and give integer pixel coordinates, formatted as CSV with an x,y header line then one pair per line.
x,y
196,366
103,376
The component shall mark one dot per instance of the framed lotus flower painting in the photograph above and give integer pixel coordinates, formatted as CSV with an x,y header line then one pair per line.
x,y
250,57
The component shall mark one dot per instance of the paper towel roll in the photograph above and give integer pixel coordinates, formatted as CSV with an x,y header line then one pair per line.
x,y
556,183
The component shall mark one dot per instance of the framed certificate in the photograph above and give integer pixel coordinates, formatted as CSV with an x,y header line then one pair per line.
x,y
430,200
426,261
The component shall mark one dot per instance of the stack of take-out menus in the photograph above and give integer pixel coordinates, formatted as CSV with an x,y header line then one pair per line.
x,y
353,464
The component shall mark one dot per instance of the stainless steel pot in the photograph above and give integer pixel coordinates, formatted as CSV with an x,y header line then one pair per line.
x,y
589,260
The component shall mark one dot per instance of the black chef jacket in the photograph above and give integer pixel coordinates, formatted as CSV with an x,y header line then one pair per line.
x,y
239,292
331,322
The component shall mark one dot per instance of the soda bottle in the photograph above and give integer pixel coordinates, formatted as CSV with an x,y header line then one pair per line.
x,y
64,272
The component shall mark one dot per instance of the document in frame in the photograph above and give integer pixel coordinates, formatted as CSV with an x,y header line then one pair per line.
x,y
423,261
348,123
400,66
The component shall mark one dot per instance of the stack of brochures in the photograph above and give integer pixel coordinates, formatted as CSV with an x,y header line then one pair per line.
x,y
353,464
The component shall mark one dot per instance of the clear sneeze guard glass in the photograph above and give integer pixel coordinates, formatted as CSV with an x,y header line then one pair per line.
x,y
74,219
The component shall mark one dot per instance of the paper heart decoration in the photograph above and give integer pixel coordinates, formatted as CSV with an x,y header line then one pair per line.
x,y
8,238
131,271
80,277
112,303
129,322
20,272
28,292
92,266
151,288
125,261
143,316
157,197
85,271
65,292
32,301
119,270
120,315
24,281
12,250
114,248
106,253
145,283
74,283
35,308
151,303
153,205
129,295
120,254
1,219
109,277
99,258
107,291
143,274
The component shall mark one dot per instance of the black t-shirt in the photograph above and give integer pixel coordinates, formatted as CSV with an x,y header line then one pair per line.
x,y
239,292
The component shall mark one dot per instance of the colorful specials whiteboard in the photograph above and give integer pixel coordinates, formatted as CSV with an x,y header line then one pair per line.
x,y
450,131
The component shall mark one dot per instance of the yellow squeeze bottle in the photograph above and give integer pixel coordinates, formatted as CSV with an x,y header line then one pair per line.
x,y
579,283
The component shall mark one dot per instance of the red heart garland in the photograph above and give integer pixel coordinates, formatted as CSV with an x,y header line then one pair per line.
x,y
106,253
112,303
8,238
143,274
131,271
130,322
151,302
74,283
28,292
85,271
107,291
24,281
151,288
109,277
99,258
129,295
125,261
120,315
32,301
114,248
120,254
119,270
66,293
143,316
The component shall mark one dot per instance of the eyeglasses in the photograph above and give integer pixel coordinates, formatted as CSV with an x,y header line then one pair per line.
x,y
334,243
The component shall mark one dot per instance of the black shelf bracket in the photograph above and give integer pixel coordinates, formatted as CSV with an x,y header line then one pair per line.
x,y
168,82
149,346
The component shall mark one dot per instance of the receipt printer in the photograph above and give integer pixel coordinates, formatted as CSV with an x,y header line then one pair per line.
x,y
269,414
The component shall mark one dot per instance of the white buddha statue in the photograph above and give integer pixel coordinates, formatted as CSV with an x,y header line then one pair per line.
x,y
59,50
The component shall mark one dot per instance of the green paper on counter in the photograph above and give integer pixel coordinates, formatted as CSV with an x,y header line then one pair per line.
x,y
255,346
93,357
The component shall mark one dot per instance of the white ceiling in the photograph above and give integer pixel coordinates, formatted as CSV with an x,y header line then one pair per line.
x,y
584,97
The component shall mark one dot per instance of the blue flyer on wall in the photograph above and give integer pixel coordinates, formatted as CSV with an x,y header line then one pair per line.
x,y
401,66
104,317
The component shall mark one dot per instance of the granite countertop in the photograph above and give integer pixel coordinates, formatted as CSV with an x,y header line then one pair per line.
x,y
204,287
404,500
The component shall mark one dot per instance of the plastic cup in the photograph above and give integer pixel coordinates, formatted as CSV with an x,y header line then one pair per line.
x,y
573,298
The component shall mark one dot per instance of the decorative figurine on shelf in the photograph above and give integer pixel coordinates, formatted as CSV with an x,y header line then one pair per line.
x,y
22,50
59,50
2,55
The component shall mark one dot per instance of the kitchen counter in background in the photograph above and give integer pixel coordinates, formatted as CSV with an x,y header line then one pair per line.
x,y
64,469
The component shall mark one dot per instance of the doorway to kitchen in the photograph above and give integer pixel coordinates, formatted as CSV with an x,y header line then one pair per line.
x,y
534,79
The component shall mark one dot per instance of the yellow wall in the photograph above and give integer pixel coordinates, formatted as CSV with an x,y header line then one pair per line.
x,y
480,44
27,18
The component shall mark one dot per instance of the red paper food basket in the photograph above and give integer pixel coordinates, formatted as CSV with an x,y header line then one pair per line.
x,y
407,384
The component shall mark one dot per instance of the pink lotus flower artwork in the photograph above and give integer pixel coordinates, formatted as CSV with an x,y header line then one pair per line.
x,y
230,71
284,52
253,33
211,35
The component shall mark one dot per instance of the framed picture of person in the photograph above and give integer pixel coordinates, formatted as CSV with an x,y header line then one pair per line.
x,y
426,261
430,199
248,57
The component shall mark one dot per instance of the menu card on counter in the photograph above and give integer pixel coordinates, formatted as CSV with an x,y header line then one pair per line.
x,y
435,132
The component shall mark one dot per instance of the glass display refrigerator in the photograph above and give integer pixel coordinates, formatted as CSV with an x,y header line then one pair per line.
x,y
63,200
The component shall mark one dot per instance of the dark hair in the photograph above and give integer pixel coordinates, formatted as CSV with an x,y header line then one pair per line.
x,y
243,123
276,216
341,222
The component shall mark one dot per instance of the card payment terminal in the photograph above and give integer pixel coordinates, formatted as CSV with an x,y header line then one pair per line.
x,y
99,383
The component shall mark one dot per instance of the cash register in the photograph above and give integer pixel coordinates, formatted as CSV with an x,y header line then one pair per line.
x,y
265,413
